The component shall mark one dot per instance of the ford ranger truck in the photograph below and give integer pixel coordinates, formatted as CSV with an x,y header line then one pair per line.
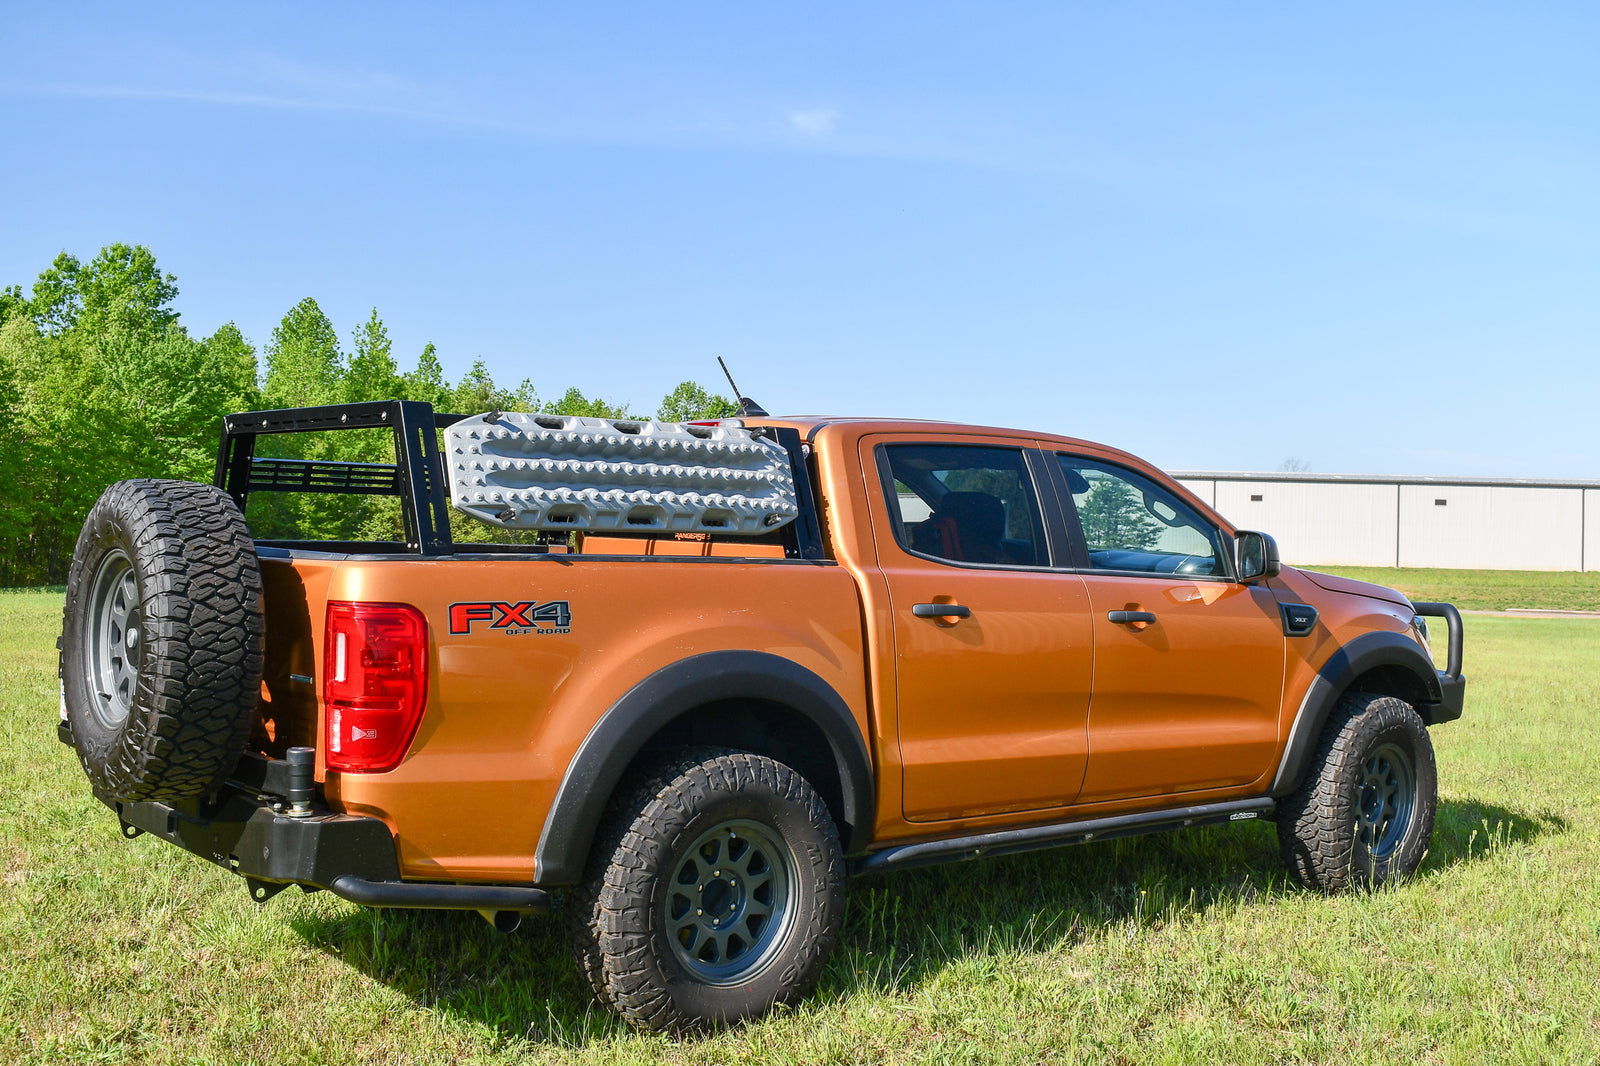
x,y
693,676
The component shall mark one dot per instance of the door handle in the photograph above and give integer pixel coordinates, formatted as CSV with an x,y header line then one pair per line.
x,y
1124,618
940,610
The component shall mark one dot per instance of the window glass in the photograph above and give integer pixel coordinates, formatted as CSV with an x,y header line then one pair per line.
x,y
1131,523
965,504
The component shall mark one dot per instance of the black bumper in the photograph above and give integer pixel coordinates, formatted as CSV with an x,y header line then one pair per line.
x,y
1453,696
1452,686
349,855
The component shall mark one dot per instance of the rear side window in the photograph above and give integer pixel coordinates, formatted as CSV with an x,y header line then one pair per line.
x,y
964,504
1130,523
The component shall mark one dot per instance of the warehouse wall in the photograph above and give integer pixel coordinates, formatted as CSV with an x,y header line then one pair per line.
x,y
1497,524
1591,529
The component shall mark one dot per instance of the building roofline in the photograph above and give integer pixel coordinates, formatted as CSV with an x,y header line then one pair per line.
x,y
1387,479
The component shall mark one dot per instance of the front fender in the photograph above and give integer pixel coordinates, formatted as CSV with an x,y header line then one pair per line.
x,y
1367,652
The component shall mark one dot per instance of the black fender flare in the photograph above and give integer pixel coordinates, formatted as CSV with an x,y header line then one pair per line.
x,y
711,677
1366,652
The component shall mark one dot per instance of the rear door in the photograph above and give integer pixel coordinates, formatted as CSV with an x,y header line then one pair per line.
x,y
1188,669
993,650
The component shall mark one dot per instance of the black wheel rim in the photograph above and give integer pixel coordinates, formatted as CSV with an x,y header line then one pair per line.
x,y
1386,797
116,639
730,902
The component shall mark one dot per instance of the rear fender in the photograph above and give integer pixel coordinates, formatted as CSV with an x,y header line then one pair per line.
x,y
654,703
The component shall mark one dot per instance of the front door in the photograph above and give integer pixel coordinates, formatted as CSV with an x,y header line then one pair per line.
x,y
993,652
1188,671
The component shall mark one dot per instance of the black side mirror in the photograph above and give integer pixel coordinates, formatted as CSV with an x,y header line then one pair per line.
x,y
1256,555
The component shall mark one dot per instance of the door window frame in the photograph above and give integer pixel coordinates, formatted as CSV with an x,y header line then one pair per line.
x,y
1069,514
1058,548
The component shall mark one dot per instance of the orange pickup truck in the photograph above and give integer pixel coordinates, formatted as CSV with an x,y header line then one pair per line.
x,y
700,673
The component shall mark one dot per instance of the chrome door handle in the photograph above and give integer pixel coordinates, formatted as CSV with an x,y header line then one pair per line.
x,y
1125,618
940,610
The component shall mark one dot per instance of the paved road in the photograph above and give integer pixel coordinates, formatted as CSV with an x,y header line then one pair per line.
x,y
1530,612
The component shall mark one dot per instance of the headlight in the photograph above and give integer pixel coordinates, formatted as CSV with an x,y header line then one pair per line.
x,y
1419,629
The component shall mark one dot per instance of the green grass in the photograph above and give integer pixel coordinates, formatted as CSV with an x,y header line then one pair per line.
x,y
1185,948
1486,590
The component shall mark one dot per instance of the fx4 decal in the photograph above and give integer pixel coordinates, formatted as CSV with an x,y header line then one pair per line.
x,y
529,616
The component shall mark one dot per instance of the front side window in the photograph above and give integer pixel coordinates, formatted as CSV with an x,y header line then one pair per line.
x,y
1130,523
964,504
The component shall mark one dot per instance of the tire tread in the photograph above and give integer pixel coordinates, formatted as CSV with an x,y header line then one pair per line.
x,y
1316,823
201,604
609,927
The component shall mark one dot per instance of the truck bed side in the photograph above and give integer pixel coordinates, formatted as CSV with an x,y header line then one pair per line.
x,y
508,708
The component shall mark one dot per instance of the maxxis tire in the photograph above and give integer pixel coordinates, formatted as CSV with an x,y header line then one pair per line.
x,y
619,919
168,714
1326,827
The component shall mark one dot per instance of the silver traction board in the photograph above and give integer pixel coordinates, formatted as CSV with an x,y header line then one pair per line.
x,y
561,472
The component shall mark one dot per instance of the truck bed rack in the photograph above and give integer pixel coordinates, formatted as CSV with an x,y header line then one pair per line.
x,y
418,475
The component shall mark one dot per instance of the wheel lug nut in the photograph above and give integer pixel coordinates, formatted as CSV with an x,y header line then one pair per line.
x,y
699,913
716,873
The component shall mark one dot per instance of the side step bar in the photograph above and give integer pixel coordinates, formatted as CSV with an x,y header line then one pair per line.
x,y
1039,837
412,895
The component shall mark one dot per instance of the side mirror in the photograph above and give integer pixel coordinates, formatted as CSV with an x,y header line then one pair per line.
x,y
1256,555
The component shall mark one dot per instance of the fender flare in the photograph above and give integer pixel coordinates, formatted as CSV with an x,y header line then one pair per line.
x,y
653,703
1364,653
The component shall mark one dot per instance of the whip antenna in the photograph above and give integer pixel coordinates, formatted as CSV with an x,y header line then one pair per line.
x,y
748,408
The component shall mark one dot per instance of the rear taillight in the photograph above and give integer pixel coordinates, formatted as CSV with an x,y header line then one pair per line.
x,y
375,683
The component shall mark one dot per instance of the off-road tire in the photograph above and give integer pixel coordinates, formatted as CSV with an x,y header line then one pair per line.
x,y
582,906
618,919
1320,824
186,572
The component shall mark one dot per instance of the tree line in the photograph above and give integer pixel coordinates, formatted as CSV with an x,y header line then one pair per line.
x,y
100,381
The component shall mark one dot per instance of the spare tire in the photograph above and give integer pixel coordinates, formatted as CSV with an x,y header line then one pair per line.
x,y
161,641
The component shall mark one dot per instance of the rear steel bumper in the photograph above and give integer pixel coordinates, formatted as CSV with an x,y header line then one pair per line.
x,y
352,856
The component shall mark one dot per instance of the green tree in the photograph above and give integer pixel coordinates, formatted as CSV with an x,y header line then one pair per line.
x,y
56,300
574,402
691,403
12,303
426,383
304,365
99,382
234,359
121,286
305,368
477,392
1113,516
16,516
159,396
372,373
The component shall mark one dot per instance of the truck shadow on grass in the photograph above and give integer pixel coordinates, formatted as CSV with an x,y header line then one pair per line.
x,y
900,929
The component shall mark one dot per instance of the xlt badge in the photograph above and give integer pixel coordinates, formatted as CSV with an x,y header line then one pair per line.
x,y
529,616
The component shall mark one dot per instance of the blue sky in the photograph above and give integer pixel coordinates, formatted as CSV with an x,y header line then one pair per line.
x,y
1218,235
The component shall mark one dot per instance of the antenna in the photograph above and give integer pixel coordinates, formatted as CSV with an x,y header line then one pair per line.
x,y
728,374
748,408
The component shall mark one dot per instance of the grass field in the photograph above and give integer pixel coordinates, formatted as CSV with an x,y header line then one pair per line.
x,y
1487,590
1180,948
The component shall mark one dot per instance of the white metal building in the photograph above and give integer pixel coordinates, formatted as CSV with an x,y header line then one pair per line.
x,y
1379,520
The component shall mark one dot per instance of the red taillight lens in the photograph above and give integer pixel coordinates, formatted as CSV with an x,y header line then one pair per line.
x,y
374,683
